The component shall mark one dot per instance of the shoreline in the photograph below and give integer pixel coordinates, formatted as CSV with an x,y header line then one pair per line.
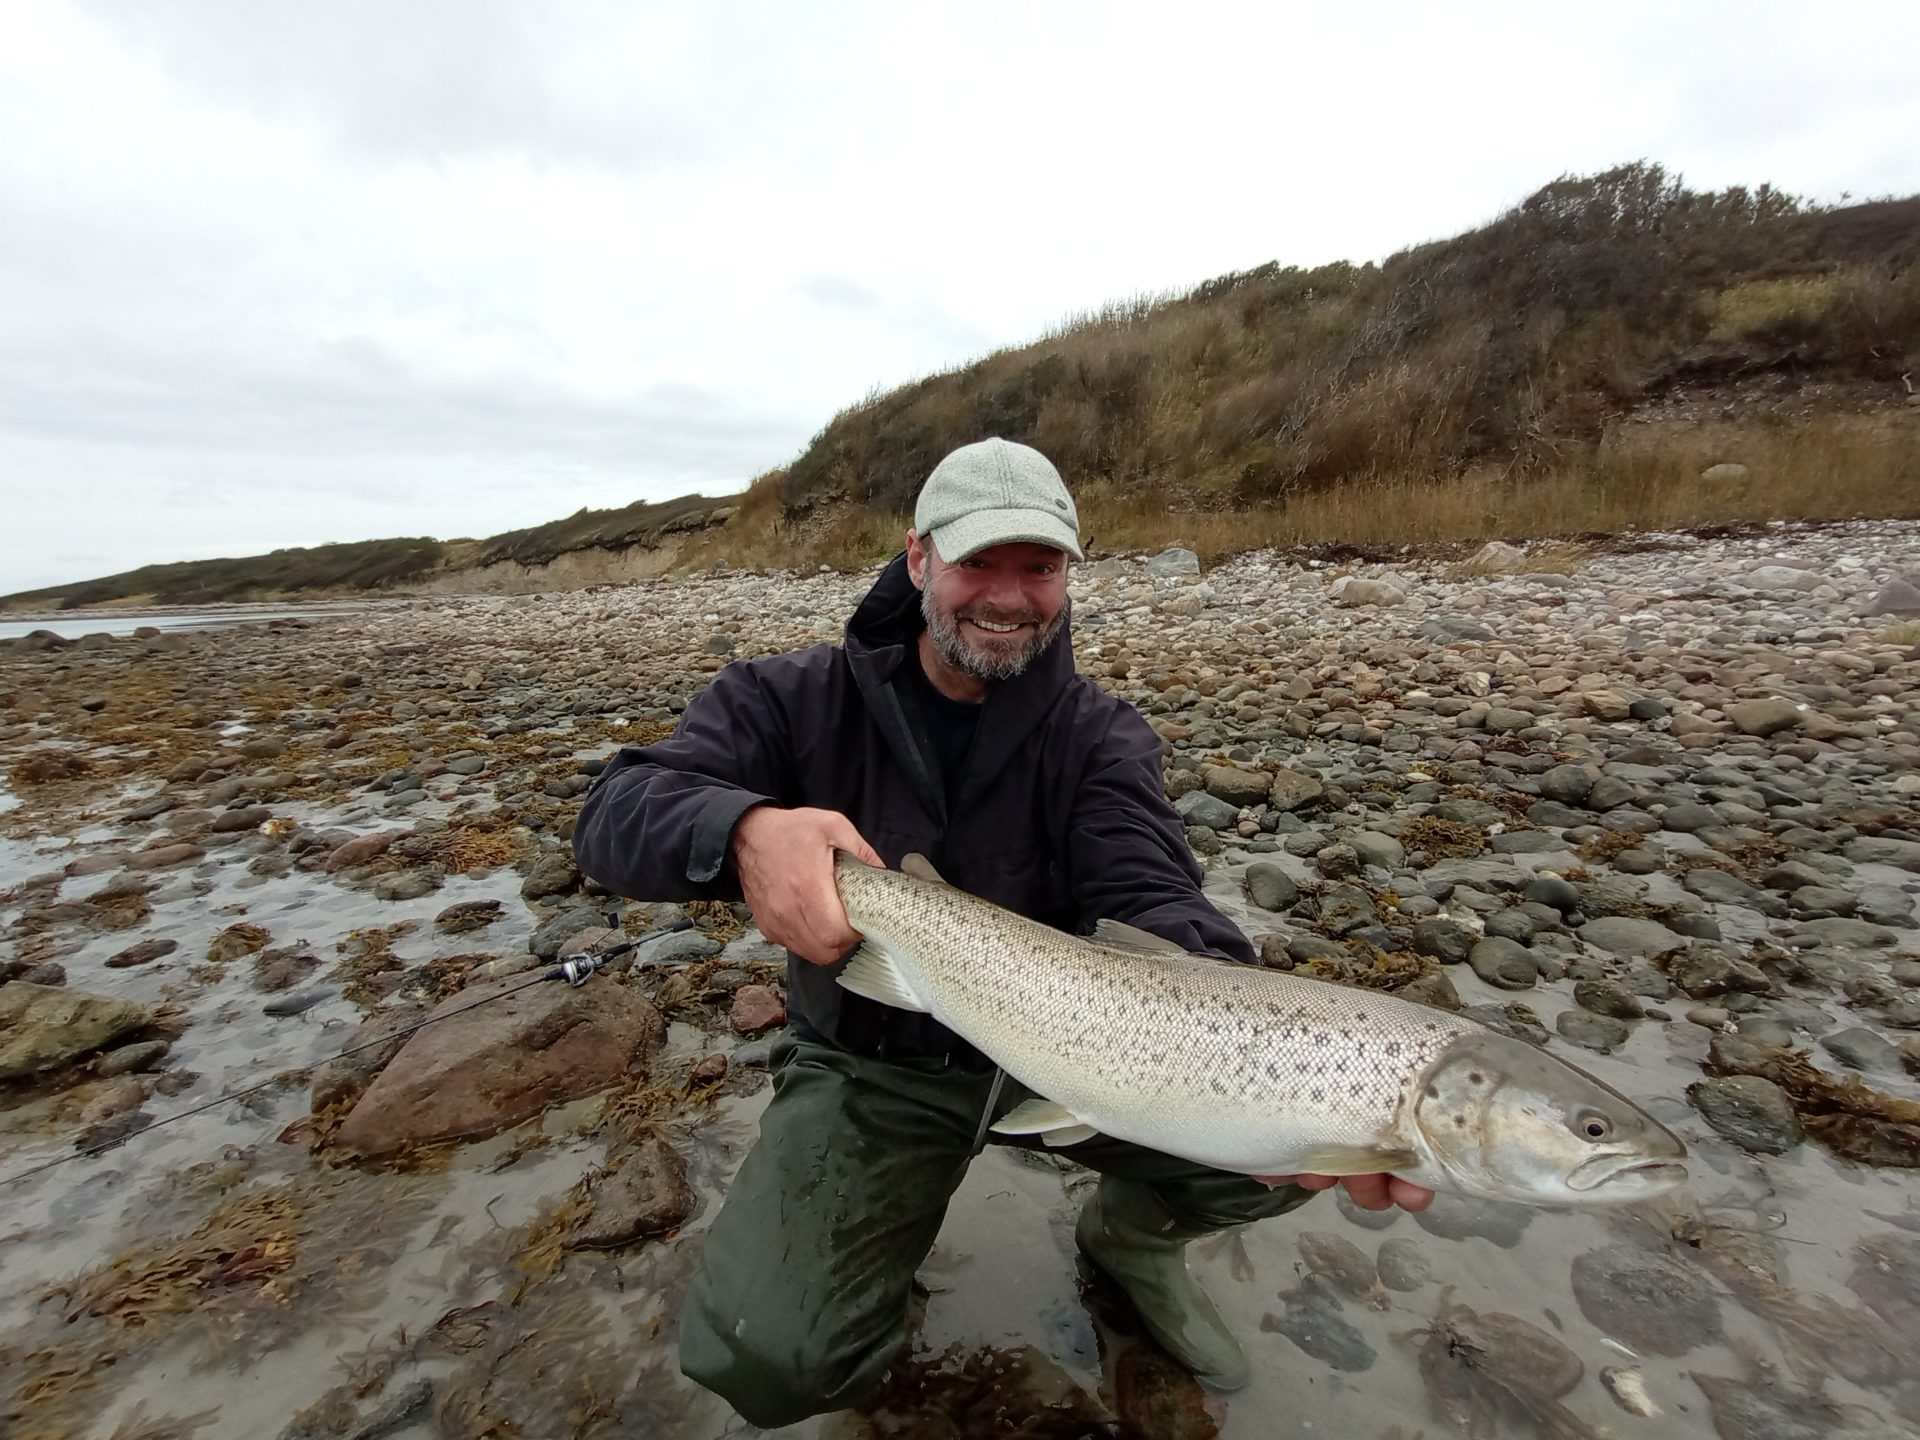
x,y
1545,796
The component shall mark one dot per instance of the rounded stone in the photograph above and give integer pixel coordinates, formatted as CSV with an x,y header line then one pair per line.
x,y
1504,964
1591,1032
1752,1112
1270,887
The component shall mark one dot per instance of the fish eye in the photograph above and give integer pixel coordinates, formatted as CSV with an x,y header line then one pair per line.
x,y
1592,1125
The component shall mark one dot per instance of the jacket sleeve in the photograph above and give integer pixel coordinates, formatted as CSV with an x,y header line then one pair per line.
x,y
1129,860
658,823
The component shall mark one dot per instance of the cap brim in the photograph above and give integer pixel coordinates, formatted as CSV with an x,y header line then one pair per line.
x,y
983,529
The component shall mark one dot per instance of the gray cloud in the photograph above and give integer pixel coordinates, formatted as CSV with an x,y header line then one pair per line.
x,y
281,273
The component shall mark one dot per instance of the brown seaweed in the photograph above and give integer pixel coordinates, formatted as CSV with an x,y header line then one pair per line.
x,y
1848,1116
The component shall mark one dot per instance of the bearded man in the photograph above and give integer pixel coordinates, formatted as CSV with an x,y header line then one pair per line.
x,y
949,722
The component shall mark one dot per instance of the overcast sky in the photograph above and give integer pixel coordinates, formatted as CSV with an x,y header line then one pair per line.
x,y
288,273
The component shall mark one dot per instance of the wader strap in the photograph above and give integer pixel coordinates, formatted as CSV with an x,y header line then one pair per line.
x,y
986,1114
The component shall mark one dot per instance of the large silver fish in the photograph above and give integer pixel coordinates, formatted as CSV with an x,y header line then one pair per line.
x,y
1243,1068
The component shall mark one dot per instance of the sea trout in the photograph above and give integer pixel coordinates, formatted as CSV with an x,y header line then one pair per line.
x,y
1243,1068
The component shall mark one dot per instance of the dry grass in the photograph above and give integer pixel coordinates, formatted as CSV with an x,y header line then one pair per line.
x,y
1907,632
1833,468
1755,308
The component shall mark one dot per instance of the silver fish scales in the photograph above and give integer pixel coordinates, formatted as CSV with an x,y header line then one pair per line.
x,y
1244,1068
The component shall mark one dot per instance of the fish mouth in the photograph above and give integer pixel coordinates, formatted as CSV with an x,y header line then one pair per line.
x,y
1612,1170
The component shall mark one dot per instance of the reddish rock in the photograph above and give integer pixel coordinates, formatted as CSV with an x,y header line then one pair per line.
x,y
757,1008
711,1068
358,851
476,1073
165,857
97,863
648,1195
141,953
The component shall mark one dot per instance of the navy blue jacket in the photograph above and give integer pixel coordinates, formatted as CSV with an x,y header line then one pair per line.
x,y
1058,811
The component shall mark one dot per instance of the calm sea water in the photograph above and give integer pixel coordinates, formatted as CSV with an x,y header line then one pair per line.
x,y
115,622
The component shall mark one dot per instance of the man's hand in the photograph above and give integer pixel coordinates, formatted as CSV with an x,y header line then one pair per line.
x,y
1369,1192
784,859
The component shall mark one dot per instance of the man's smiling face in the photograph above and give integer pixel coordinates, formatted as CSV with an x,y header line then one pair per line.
x,y
992,613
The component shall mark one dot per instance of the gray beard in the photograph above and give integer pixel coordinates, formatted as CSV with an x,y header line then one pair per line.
x,y
951,646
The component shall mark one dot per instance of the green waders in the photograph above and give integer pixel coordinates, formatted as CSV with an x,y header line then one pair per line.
x,y
801,1304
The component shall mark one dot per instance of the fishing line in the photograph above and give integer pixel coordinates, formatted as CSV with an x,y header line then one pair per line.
x,y
576,972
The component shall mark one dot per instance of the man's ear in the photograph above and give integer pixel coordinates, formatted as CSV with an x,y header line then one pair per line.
x,y
918,551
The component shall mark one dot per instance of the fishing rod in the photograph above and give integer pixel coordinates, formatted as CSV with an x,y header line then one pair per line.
x,y
575,972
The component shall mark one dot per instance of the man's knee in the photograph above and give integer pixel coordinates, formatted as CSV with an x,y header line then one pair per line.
x,y
779,1369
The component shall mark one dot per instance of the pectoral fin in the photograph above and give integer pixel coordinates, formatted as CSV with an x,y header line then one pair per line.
x,y
872,972
1128,937
1053,1122
921,868
1351,1160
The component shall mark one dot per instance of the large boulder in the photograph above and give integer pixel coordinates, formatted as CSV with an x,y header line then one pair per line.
x,y
42,1026
492,1066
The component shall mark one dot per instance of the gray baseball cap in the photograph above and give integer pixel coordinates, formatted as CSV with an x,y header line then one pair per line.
x,y
995,492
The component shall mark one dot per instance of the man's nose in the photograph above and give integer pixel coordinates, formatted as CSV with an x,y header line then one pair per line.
x,y
1005,592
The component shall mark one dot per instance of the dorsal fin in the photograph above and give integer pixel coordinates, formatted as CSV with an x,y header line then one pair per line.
x,y
1128,937
921,868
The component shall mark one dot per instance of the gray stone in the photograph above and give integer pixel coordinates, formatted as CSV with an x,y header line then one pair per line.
x,y
406,885
1686,818
1882,850
1609,792
1896,597
1504,964
1591,1032
1292,790
1864,1050
1512,924
1704,971
1356,593
1504,721
545,942
1379,850
1452,630
1402,1266
1210,811
1626,935
1337,861
1569,784
1640,860
1609,998
1447,941
1847,934
553,873
130,1059
1753,1113
1174,561
1554,891
1526,842
1270,887
1346,908
676,947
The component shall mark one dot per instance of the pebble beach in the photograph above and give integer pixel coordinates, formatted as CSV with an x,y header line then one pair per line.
x,y
1653,804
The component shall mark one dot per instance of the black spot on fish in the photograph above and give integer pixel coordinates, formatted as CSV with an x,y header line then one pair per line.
x,y
1476,1078
1433,1091
1319,1095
